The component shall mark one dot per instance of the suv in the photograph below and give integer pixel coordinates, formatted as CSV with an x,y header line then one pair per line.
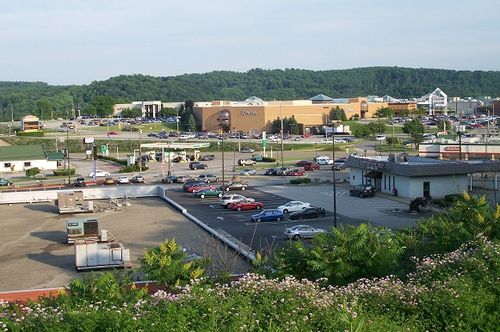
x,y
208,178
197,165
339,164
363,190
246,162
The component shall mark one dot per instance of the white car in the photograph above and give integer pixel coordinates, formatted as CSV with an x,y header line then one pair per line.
x,y
380,137
248,171
234,198
98,174
122,179
293,206
302,232
324,161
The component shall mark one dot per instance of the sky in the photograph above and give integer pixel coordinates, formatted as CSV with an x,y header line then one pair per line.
x,y
79,41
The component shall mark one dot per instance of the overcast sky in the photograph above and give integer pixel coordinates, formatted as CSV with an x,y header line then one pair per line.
x,y
77,42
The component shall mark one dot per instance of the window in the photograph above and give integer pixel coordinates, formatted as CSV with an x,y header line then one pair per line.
x,y
394,182
385,182
6,165
389,182
27,164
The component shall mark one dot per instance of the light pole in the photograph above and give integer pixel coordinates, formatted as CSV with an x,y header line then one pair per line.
x,y
67,153
281,134
334,184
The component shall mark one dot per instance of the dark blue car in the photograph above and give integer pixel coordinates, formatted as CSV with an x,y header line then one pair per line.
x,y
268,215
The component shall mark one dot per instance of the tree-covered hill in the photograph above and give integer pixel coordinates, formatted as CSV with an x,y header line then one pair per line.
x,y
266,84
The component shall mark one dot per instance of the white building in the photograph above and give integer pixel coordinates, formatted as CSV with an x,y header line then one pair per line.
x,y
19,158
437,100
414,177
149,109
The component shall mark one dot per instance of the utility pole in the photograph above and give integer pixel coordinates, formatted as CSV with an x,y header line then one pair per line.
x,y
67,153
281,134
140,150
177,120
334,184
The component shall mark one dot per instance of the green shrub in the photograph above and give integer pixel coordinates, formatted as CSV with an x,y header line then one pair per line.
x,y
116,160
32,171
300,180
38,133
64,171
268,160
453,198
132,168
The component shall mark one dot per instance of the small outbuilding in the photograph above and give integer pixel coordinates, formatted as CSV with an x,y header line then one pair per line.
x,y
19,158
414,177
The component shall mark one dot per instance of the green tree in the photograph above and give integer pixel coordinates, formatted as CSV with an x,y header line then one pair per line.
x,y
385,112
44,108
338,114
293,126
342,255
131,113
415,129
444,125
103,105
360,130
191,124
167,264
164,112
377,127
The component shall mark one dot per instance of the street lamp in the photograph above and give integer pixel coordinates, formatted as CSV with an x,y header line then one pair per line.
x,y
334,184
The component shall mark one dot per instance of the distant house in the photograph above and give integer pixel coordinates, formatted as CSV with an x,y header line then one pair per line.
x,y
19,158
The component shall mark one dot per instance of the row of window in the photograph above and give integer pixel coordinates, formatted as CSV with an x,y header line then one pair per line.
x,y
9,165
387,182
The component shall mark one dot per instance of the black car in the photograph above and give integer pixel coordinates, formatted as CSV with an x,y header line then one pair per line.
x,y
169,179
271,171
363,190
197,165
310,212
208,157
234,186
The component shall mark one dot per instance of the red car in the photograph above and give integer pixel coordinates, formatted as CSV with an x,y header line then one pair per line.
x,y
296,172
112,133
245,205
198,187
308,165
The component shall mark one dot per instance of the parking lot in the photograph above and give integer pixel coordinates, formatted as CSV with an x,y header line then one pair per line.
x,y
33,252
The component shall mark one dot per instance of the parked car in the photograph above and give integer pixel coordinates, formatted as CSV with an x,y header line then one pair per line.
x,y
271,171
109,180
339,164
293,206
246,162
98,174
310,212
299,232
247,150
267,215
380,137
137,179
122,179
189,184
177,179
363,190
308,165
295,172
248,171
234,198
199,187
234,186
197,165
323,160
80,182
208,157
208,178
245,205
208,193
5,182
112,132
169,179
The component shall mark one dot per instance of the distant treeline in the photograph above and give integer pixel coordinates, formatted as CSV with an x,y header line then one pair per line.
x,y
58,101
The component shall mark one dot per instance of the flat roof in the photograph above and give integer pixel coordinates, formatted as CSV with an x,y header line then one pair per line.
x,y
419,166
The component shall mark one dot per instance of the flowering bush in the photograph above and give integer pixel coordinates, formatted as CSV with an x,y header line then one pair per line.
x,y
452,292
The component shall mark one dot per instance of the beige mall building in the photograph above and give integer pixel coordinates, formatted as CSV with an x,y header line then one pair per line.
x,y
255,115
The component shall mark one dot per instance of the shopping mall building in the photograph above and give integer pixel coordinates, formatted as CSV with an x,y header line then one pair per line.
x,y
256,115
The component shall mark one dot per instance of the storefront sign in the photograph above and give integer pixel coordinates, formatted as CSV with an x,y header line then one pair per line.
x,y
452,148
248,113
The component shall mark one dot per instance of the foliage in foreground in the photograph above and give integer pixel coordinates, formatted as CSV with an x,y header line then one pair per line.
x,y
457,291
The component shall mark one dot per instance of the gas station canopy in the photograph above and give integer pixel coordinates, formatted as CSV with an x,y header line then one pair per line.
x,y
175,146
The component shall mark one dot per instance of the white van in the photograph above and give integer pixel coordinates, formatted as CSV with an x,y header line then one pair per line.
x,y
323,160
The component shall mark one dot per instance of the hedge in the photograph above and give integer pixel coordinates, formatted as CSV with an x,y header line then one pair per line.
x,y
116,160
300,180
64,171
132,168
268,159
32,171
30,133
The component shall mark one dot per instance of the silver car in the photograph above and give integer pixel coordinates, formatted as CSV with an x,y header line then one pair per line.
x,y
299,232
248,171
234,198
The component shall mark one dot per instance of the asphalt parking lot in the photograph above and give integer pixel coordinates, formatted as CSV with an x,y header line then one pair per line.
x,y
33,252
258,236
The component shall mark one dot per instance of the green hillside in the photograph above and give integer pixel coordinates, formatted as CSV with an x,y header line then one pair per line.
x,y
24,97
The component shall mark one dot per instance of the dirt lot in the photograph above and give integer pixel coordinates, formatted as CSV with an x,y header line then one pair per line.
x,y
33,253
